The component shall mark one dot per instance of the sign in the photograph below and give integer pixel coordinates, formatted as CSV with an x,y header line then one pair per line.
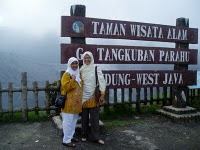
x,y
107,54
138,79
102,28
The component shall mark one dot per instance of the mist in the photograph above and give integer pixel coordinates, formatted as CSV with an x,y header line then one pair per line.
x,y
31,29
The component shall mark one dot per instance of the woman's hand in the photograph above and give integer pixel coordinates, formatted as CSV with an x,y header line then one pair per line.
x,y
73,77
101,99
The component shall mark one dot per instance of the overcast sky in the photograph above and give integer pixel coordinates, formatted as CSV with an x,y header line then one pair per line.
x,y
38,20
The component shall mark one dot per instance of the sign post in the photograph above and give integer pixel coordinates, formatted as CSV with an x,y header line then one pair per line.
x,y
78,27
180,94
115,54
115,29
77,11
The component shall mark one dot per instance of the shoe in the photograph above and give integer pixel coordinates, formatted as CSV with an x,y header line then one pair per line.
x,y
74,140
101,142
84,139
69,144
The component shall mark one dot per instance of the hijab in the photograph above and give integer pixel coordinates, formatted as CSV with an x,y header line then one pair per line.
x,y
88,76
76,73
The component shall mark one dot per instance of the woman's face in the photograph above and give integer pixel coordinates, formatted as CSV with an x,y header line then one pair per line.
x,y
74,65
87,59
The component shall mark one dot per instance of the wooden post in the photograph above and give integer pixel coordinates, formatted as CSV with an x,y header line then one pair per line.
x,y
171,95
78,10
24,96
107,102
198,93
115,97
58,110
145,96
122,98
188,97
122,95
35,95
138,99
158,95
130,95
151,95
193,93
165,96
179,101
10,99
47,98
1,108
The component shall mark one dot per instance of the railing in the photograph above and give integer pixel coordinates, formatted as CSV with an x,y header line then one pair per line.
x,y
155,96
194,94
24,91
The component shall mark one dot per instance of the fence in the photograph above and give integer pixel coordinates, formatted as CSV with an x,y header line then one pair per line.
x,y
24,91
158,94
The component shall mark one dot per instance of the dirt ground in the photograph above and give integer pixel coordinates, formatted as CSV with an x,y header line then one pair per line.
x,y
152,132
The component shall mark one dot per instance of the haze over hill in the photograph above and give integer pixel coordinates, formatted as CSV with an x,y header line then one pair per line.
x,y
30,33
40,57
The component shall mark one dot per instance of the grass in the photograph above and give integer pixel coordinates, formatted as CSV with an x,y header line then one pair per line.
x,y
195,103
17,117
122,123
115,123
127,110
119,115
150,108
118,112
114,116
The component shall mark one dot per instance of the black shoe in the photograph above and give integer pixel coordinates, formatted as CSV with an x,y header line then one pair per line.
x,y
69,144
74,140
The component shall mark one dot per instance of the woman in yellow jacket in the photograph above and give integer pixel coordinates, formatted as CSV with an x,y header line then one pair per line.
x,y
71,85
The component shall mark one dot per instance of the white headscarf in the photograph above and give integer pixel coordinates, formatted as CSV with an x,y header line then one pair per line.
x,y
88,76
76,73
91,65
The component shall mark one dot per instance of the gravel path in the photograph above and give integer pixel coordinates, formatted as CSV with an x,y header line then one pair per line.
x,y
144,132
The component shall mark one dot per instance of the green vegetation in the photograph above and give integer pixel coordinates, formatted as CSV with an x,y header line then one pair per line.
x,y
17,117
195,103
127,110
115,123
124,115
150,108
119,111
113,116
122,123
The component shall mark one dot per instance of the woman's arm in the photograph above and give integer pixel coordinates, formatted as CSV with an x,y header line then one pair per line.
x,y
102,83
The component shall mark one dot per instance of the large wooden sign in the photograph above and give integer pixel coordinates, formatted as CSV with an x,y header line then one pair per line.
x,y
102,28
107,54
138,79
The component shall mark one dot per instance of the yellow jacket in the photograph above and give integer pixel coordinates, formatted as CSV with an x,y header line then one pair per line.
x,y
73,103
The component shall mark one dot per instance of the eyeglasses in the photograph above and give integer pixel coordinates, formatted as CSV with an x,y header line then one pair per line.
x,y
74,63
86,58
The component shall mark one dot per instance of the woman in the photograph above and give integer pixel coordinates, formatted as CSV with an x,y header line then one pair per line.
x,y
71,85
90,104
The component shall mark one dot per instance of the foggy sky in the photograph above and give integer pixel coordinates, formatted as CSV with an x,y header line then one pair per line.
x,y
31,28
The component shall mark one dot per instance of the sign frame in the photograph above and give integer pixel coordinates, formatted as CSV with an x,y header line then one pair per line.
x,y
73,26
